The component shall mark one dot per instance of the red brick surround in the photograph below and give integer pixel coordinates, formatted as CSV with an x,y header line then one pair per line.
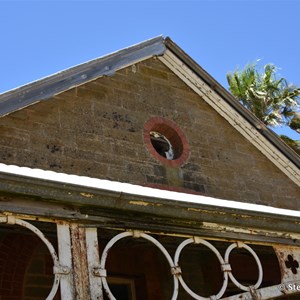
x,y
174,134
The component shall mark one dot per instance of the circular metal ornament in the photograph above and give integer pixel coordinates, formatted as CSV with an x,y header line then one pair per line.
x,y
260,270
14,221
211,247
135,234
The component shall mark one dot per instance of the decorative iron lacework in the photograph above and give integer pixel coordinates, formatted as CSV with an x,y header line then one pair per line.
x,y
175,267
58,270
247,292
288,257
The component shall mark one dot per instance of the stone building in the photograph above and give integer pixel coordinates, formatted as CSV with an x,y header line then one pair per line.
x,y
137,176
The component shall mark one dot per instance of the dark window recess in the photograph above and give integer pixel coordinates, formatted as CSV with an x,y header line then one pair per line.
x,y
120,291
162,145
165,141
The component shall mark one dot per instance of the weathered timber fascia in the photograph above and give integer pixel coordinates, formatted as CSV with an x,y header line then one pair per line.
x,y
232,102
102,207
50,86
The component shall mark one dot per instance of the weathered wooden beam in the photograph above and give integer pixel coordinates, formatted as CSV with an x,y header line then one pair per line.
x,y
45,88
112,209
80,266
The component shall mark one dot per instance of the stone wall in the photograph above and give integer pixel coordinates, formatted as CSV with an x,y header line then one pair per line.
x,y
97,130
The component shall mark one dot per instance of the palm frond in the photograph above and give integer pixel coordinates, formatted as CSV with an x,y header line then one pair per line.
x,y
271,99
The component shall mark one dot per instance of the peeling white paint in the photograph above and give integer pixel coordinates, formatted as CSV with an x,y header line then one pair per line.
x,y
87,195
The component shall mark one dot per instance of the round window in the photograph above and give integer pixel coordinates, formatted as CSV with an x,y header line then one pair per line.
x,y
166,141
162,145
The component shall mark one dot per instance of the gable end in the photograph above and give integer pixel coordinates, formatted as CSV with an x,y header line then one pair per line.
x,y
287,161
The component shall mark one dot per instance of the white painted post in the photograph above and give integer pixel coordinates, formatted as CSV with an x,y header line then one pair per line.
x,y
65,259
93,263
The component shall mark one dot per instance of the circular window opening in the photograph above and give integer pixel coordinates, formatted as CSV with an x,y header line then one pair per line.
x,y
162,145
166,141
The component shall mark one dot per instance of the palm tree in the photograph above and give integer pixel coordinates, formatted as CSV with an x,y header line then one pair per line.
x,y
295,145
295,123
274,101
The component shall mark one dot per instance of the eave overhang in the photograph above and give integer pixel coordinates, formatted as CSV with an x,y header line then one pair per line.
x,y
108,204
55,84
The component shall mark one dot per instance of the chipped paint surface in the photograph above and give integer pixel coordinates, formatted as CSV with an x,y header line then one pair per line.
x,y
144,203
227,228
79,256
203,211
289,261
93,263
65,259
87,195
79,259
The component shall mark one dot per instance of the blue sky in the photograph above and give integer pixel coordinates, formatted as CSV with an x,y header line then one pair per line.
x,y
42,37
